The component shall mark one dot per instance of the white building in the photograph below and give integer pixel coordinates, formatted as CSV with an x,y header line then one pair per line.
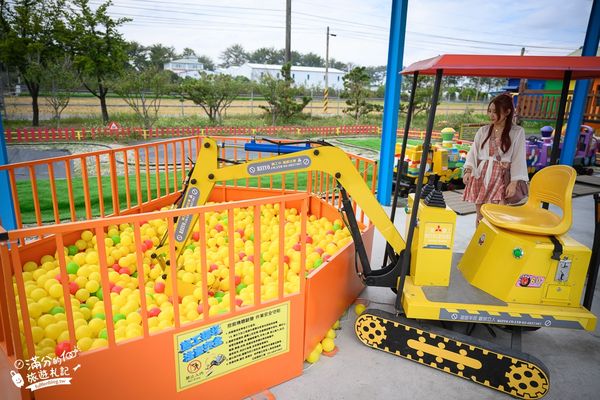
x,y
185,67
302,76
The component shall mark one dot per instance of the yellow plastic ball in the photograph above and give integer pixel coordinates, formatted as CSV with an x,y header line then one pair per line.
x,y
52,331
82,295
83,331
37,293
328,344
30,266
56,291
313,357
37,333
85,343
35,310
359,309
87,235
99,343
91,257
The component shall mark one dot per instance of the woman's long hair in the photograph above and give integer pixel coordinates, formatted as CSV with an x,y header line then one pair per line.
x,y
503,103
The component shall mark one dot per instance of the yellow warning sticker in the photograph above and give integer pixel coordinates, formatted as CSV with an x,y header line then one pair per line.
x,y
214,350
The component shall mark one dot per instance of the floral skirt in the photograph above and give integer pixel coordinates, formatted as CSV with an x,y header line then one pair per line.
x,y
477,192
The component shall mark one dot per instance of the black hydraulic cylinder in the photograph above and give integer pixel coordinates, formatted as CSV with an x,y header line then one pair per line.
x,y
359,246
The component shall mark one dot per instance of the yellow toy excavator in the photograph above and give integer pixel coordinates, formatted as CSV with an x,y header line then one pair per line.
x,y
520,270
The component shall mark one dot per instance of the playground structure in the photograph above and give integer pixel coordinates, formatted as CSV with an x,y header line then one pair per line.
x,y
445,159
539,150
501,369
539,100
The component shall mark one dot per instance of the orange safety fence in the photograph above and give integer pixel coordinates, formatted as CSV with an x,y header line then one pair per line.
x,y
141,177
64,235
36,279
29,135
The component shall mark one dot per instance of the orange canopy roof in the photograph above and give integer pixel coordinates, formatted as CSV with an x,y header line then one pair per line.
x,y
532,67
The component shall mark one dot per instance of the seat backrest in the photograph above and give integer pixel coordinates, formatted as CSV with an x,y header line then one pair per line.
x,y
554,185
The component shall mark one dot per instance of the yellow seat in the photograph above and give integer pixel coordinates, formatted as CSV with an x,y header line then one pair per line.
x,y
554,185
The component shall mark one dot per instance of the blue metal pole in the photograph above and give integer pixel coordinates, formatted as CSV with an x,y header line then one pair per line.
x,y
590,47
391,101
7,213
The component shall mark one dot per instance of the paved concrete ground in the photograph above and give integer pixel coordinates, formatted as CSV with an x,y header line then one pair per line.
x,y
358,372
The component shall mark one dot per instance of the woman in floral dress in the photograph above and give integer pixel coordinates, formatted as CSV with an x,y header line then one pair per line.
x,y
496,147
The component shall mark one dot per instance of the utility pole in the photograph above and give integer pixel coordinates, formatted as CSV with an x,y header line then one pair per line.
x,y
288,31
326,90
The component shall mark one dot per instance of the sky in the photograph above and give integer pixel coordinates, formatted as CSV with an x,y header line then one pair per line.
x,y
543,27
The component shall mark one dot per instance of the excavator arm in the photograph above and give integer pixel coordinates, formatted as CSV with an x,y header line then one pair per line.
x,y
328,159
506,370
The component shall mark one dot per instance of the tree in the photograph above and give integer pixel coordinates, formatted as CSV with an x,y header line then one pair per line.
x,y
356,90
159,55
423,95
59,81
100,51
207,62
280,95
137,55
468,94
214,93
333,63
143,92
377,74
312,60
266,55
187,52
296,57
30,36
234,55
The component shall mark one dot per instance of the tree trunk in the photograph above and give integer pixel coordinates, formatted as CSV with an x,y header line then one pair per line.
x,y
102,91
103,108
34,91
35,108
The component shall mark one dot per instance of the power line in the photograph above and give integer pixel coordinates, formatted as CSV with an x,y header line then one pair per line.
x,y
187,12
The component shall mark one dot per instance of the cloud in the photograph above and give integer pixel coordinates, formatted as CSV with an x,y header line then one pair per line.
x,y
552,27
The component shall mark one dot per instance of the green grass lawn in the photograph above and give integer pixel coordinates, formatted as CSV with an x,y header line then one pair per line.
x,y
157,188
373,143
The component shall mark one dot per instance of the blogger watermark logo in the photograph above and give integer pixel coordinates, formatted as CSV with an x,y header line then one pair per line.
x,y
41,372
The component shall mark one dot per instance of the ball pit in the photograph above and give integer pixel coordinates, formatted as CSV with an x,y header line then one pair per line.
x,y
44,292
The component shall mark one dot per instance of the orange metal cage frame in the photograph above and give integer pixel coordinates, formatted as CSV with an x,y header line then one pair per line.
x,y
147,181
311,308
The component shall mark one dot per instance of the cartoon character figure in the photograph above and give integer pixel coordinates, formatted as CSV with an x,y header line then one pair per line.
x,y
17,379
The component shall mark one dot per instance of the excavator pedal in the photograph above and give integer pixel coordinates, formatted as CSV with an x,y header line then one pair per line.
x,y
506,370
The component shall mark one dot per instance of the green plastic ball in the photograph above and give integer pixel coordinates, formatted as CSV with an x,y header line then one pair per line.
x,y
57,310
118,317
73,250
72,268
